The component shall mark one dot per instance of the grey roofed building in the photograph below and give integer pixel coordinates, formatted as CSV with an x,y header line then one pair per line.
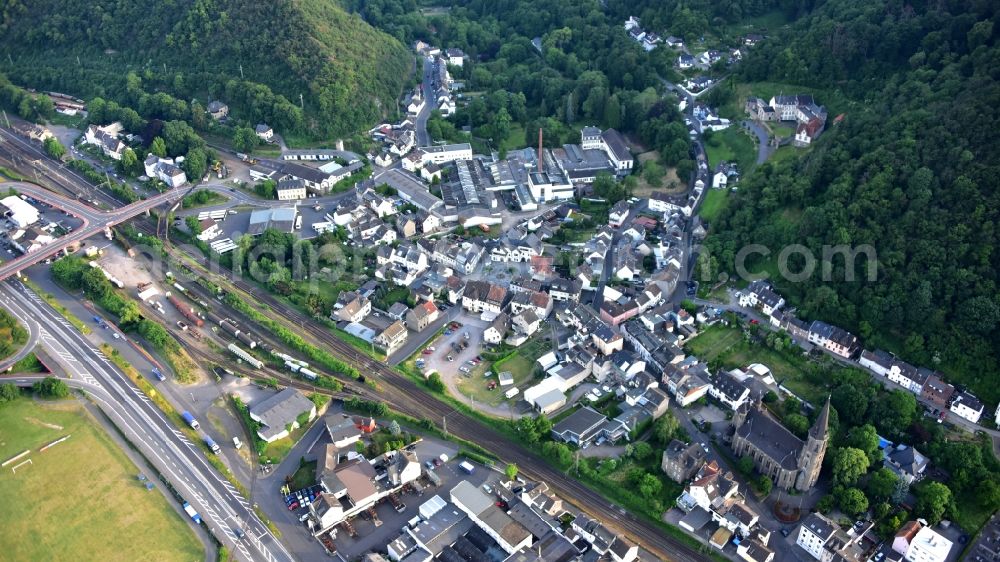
x,y
468,551
552,547
771,437
681,461
906,461
579,426
398,310
616,144
279,411
819,526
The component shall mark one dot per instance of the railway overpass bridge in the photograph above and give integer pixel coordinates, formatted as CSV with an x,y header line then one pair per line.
x,y
94,220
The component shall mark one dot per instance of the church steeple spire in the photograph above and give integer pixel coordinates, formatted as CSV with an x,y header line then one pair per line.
x,y
822,423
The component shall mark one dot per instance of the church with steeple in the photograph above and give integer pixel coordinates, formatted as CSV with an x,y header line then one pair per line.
x,y
788,461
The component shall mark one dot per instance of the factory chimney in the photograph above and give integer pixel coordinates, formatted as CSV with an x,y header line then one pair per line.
x,y
541,162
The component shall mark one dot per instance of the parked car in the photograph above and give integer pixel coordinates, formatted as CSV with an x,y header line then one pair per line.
x,y
427,351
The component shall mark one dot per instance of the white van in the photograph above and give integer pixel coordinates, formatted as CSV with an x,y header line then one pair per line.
x,y
237,443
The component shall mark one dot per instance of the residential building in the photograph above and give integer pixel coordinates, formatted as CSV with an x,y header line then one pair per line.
x,y
967,406
936,392
164,170
760,295
908,463
878,361
907,376
905,535
280,412
928,546
291,190
687,385
106,138
210,230
218,110
777,453
814,533
753,550
392,337
565,290
497,330
351,307
421,316
455,57
681,461
264,131
483,296
579,427
833,339
730,391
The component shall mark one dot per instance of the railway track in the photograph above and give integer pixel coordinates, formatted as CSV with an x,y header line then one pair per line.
x,y
407,397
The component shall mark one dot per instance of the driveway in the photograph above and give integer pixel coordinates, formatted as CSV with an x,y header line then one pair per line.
x,y
764,148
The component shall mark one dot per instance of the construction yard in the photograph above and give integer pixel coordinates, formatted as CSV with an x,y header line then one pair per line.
x,y
80,498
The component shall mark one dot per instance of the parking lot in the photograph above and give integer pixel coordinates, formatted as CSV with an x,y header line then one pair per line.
x,y
438,359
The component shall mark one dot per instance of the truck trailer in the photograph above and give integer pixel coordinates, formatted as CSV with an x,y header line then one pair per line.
x,y
192,513
211,444
190,420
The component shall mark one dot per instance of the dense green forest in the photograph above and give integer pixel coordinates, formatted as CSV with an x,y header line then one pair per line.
x,y
258,56
913,174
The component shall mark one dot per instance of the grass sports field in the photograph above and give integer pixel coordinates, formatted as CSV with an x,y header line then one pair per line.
x,y
80,499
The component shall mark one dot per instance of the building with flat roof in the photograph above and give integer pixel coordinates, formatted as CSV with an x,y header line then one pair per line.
x,y
443,153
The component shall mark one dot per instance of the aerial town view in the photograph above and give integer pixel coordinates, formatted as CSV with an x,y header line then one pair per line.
x,y
521,281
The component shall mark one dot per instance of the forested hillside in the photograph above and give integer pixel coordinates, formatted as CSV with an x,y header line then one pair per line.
x,y
586,72
914,174
347,73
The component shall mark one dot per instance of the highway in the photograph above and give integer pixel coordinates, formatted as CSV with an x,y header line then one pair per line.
x,y
181,462
94,221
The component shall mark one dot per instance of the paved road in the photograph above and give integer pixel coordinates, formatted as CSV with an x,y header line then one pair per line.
x,y
94,221
420,124
182,462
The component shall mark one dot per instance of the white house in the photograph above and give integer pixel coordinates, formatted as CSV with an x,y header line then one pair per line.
x,y
878,361
928,546
907,376
106,138
455,57
164,170
967,406
814,532
719,180
729,391
497,329
264,131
